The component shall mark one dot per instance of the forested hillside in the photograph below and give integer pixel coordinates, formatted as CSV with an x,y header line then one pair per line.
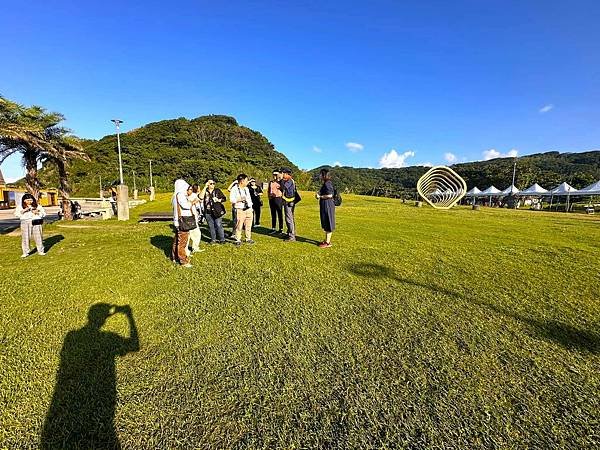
x,y
547,169
209,146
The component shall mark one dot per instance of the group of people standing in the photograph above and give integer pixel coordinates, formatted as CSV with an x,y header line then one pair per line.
x,y
192,206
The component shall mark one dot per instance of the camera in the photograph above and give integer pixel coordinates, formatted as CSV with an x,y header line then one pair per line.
x,y
246,207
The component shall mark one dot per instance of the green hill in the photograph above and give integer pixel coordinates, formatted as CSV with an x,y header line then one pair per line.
x,y
547,169
209,146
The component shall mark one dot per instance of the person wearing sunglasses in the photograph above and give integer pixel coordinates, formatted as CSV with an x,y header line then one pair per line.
x,y
213,199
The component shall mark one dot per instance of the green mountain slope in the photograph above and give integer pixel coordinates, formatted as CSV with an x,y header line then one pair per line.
x,y
209,146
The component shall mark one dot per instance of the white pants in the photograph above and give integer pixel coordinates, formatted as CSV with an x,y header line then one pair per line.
x,y
195,238
27,231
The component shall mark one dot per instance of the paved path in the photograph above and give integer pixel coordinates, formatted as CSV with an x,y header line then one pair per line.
x,y
9,222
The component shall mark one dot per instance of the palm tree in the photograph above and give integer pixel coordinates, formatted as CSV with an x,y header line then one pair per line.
x,y
24,130
65,149
37,135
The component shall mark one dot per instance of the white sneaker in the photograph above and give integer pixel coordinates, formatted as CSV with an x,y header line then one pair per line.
x,y
24,255
42,253
187,266
199,250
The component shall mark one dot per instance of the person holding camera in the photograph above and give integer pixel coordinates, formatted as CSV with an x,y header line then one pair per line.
x,y
213,199
242,203
32,218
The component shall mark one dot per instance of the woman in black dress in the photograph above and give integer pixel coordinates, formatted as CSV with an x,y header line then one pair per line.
x,y
326,207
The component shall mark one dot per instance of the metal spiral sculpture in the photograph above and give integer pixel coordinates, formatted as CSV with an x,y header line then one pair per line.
x,y
441,187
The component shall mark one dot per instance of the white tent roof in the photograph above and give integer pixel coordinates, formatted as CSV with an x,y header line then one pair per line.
x,y
563,189
512,189
534,189
592,189
492,190
473,192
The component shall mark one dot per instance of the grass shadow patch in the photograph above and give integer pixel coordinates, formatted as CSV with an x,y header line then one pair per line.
x,y
164,243
567,336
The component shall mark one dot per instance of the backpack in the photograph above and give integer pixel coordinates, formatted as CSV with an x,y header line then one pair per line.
x,y
337,198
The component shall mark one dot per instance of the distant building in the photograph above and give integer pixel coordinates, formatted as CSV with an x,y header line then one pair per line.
x,y
10,195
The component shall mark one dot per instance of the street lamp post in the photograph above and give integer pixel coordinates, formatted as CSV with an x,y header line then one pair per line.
x,y
122,189
135,191
151,184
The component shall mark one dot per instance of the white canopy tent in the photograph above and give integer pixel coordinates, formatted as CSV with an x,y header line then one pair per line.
x,y
491,191
511,190
592,189
533,190
563,189
473,192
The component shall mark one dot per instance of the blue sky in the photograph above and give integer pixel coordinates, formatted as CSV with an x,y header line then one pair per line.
x,y
361,83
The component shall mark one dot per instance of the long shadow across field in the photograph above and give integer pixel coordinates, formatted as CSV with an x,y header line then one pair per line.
x,y
164,243
81,414
552,330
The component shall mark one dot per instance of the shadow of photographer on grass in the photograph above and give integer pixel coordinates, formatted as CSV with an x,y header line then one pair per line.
x,y
81,413
551,330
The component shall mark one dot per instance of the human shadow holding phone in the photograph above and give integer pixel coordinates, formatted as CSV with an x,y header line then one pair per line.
x,y
81,414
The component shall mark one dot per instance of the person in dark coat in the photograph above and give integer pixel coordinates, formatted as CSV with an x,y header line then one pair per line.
x,y
326,207
255,193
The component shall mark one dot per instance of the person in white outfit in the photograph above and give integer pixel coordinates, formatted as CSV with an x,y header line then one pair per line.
x,y
195,234
32,217
182,221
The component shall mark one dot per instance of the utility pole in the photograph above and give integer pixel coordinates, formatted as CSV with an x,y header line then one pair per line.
x,y
122,189
135,191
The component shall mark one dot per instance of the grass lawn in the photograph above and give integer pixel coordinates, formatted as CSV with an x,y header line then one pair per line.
x,y
418,328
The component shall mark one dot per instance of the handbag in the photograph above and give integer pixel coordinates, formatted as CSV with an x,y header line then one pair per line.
x,y
37,222
186,223
218,210
297,197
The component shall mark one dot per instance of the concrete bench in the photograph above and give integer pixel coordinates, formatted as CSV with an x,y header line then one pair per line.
x,y
156,216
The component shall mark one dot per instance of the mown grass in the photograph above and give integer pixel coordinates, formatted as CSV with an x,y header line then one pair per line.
x,y
418,329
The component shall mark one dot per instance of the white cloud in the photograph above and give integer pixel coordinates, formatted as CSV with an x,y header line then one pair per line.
x,y
337,164
393,159
316,149
492,153
354,147
425,164
450,157
546,108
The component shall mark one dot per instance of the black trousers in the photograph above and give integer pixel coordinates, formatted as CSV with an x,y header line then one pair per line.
x,y
256,207
276,206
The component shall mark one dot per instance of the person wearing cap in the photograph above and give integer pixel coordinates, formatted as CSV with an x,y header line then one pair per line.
x,y
255,193
275,202
288,194
242,203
